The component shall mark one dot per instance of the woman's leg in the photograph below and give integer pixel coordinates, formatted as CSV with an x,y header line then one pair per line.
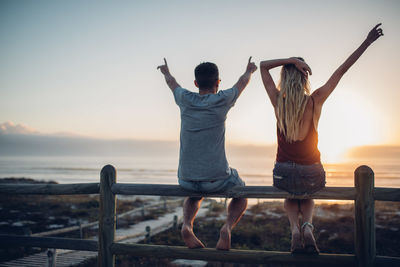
x,y
306,209
292,210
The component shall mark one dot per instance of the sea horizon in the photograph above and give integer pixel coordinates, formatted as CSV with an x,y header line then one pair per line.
x,y
254,170
66,159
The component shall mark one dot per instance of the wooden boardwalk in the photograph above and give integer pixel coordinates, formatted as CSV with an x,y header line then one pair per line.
x,y
65,258
134,234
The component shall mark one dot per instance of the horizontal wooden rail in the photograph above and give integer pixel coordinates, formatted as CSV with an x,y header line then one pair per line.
x,y
233,255
384,261
65,230
336,193
50,189
48,242
244,256
386,194
339,193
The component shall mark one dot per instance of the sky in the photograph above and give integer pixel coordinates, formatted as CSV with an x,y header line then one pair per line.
x,y
89,67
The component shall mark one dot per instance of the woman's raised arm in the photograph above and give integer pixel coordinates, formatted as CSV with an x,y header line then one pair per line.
x,y
322,93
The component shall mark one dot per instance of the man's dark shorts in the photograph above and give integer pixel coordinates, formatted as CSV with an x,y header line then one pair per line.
x,y
298,179
213,186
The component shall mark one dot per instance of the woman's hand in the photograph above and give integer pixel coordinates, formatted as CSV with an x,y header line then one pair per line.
x,y
374,34
302,66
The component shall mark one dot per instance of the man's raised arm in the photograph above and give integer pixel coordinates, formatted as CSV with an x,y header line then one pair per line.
x,y
245,78
172,84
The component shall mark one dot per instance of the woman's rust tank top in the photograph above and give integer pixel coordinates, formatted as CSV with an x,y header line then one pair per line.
x,y
302,152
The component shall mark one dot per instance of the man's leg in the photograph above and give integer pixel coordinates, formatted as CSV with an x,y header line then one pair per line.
x,y
292,210
306,209
235,211
190,207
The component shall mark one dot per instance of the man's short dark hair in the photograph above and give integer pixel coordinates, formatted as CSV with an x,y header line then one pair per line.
x,y
206,75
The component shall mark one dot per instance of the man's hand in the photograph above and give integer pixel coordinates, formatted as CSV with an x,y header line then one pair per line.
x,y
302,66
245,78
374,34
251,67
171,82
164,68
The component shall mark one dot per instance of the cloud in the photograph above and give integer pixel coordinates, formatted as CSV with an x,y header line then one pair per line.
x,y
9,127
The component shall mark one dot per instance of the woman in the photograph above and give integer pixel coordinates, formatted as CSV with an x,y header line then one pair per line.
x,y
298,169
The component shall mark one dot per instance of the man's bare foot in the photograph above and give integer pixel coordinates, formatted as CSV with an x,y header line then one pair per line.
x,y
297,245
190,238
310,245
224,242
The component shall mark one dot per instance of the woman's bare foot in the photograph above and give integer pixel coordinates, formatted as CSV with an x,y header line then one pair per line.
x,y
310,245
190,238
224,242
297,245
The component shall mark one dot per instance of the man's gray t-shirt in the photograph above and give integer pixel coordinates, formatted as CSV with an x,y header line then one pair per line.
x,y
202,140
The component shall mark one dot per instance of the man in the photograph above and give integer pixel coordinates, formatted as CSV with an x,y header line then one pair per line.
x,y
202,162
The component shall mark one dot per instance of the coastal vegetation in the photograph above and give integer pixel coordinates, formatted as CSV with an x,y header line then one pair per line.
x,y
265,227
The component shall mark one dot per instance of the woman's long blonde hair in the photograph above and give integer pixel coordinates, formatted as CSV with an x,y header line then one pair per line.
x,y
294,90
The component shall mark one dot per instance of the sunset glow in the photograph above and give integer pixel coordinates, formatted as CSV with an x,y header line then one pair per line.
x,y
96,75
348,122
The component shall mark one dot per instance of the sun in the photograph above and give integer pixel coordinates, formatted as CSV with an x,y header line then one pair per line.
x,y
347,121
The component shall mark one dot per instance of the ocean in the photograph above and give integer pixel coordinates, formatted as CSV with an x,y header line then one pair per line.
x,y
162,169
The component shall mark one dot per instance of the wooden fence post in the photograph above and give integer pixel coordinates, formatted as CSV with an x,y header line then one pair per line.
x,y
106,217
175,222
165,203
80,229
51,257
365,245
148,234
143,211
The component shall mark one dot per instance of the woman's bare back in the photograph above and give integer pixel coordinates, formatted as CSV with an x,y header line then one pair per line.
x,y
309,117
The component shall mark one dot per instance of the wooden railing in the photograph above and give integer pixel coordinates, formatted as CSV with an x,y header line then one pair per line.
x,y
364,195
